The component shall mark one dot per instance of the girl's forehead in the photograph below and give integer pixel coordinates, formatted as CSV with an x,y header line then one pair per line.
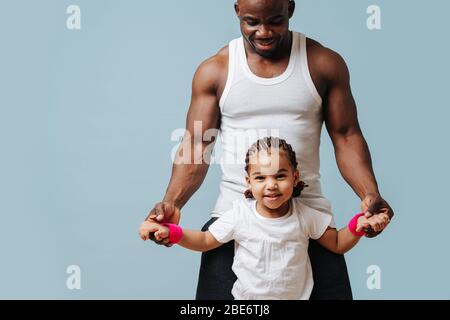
x,y
275,159
272,154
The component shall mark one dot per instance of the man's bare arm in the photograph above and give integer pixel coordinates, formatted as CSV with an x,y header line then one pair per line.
x,y
340,115
191,162
351,150
192,158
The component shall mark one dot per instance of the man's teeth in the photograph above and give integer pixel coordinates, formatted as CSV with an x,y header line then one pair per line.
x,y
265,43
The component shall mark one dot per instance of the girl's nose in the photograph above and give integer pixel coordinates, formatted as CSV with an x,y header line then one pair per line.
x,y
272,184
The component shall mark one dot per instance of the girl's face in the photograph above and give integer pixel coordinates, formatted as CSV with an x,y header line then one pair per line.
x,y
271,178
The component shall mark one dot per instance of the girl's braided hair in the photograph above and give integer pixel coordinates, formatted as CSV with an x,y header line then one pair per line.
x,y
266,144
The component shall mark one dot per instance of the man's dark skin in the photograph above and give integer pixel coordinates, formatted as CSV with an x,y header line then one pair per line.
x,y
269,20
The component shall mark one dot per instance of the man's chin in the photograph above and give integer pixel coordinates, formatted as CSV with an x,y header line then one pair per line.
x,y
268,53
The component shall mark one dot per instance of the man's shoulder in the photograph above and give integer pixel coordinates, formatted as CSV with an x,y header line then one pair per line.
x,y
323,60
212,72
217,62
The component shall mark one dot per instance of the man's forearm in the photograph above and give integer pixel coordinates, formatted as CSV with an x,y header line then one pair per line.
x,y
355,164
185,181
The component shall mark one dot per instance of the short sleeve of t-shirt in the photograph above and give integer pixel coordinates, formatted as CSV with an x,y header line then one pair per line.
x,y
223,229
316,222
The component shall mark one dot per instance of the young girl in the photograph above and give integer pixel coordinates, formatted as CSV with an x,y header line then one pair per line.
x,y
271,228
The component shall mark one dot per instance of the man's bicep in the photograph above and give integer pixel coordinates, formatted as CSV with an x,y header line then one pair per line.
x,y
203,117
204,108
340,112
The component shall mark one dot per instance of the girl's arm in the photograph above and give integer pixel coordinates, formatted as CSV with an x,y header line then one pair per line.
x,y
190,239
343,240
198,240
338,241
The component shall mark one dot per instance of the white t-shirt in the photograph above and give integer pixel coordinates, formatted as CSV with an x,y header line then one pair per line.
x,y
271,254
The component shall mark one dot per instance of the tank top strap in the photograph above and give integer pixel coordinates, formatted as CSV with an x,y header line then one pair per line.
x,y
232,64
303,58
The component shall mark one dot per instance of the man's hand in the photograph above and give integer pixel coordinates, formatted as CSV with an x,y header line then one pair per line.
x,y
163,212
373,204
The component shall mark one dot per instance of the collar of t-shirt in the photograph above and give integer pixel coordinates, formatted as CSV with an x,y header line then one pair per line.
x,y
272,220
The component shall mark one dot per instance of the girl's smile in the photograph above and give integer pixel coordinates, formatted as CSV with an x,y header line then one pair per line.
x,y
271,180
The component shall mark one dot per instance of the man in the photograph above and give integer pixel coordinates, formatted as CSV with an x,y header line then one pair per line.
x,y
272,78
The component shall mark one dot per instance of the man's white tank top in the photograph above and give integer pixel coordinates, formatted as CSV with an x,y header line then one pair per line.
x,y
287,106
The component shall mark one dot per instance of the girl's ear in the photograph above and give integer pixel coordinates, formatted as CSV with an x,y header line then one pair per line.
x,y
296,177
247,180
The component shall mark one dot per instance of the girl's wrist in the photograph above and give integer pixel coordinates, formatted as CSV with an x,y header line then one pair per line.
x,y
353,223
175,232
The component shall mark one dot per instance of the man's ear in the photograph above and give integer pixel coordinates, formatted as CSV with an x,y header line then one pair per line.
x,y
291,8
236,8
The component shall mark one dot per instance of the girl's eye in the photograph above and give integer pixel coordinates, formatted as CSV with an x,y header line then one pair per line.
x,y
281,176
259,178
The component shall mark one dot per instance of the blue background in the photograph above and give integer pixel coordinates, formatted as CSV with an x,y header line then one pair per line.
x,y
85,131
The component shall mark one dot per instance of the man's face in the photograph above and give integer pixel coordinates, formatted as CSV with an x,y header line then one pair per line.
x,y
265,23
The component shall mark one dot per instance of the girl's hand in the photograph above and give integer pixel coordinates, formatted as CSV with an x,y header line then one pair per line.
x,y
377,222
163,212
162,233
147,227
362,224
